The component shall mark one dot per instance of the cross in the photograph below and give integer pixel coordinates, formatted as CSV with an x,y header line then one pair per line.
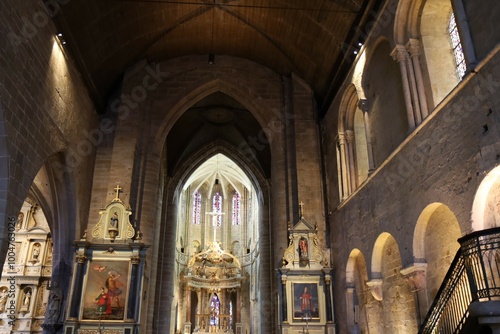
x,y
301,209
117,189
214,214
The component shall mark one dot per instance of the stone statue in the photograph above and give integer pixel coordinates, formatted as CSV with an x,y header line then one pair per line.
x,y
54,306
4,295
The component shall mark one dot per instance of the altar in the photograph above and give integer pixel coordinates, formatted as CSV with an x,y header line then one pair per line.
x,y
215,330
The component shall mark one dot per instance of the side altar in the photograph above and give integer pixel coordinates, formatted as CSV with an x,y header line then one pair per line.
x,y
306,293
108,275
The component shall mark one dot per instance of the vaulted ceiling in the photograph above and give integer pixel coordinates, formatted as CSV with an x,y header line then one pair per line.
x,y
307,37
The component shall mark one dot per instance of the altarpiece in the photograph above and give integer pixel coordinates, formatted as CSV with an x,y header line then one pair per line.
x,y
108,275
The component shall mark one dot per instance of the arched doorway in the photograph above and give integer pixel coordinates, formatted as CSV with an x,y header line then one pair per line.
x,y
216,248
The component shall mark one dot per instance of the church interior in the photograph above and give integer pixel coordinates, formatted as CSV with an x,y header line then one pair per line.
x,y
250,166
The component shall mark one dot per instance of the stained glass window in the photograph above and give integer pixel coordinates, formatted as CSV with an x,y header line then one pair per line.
x,y
217,208
214,310
197,208
236,209
457,47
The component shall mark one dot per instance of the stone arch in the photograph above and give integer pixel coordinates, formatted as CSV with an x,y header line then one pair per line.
x,y
352,126
394,293
383,88
252,103
356,294
435,243
485,208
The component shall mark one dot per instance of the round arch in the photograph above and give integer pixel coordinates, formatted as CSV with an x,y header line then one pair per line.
x,y
485,212
378,254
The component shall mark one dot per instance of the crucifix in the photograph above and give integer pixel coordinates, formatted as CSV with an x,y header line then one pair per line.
x,y
215,214
301,209
117,190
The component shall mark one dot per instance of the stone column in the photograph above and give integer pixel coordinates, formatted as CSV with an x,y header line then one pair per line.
x,y
81,259
400,54
343,167
415,276
465,35
188,304
413,90
134,278
413,47
328,297
363,106
351,159
350,291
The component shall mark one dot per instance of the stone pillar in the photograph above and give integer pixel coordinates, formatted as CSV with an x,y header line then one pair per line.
x,y
328,297
187,306
81,259
344,166
413,47
401,55
284,315
133,291
351,159
349,294
165,310
415,276
413,90
363,106
465,35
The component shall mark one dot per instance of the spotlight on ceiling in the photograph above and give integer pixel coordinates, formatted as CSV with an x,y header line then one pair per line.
x,y
61,38
211,59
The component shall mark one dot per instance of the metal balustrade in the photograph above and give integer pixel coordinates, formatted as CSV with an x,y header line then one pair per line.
x,y
474,276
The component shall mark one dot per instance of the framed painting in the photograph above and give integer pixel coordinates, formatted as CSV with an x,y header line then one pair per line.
x,y
105,293
305,302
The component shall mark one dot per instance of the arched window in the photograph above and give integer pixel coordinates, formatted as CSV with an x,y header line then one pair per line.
x,y
236,209
217,208
457,47
197,208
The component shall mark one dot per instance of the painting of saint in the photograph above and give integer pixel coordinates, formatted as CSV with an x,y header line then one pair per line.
x,y
105,293
305,302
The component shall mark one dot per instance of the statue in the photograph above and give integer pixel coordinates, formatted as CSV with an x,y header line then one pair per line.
x,y
54,305
4,295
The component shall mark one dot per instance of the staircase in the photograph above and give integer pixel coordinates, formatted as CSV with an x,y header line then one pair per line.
x,y
469,298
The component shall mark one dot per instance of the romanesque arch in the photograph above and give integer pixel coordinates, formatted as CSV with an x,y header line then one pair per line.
x,y
390,288
485,209
435,244
357,293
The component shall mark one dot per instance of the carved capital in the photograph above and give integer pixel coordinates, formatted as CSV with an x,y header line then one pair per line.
x,y
413,46
81,258
399,53
415,276
341,139
135,259
375,286
349,136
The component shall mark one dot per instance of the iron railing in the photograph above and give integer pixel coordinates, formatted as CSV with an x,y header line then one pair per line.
x,y
474,276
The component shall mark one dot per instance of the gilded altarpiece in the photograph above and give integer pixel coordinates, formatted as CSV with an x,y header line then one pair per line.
x,y
109,270
306,291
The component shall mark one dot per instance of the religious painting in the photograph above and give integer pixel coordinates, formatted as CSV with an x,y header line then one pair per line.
x,y
305,302
105,293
